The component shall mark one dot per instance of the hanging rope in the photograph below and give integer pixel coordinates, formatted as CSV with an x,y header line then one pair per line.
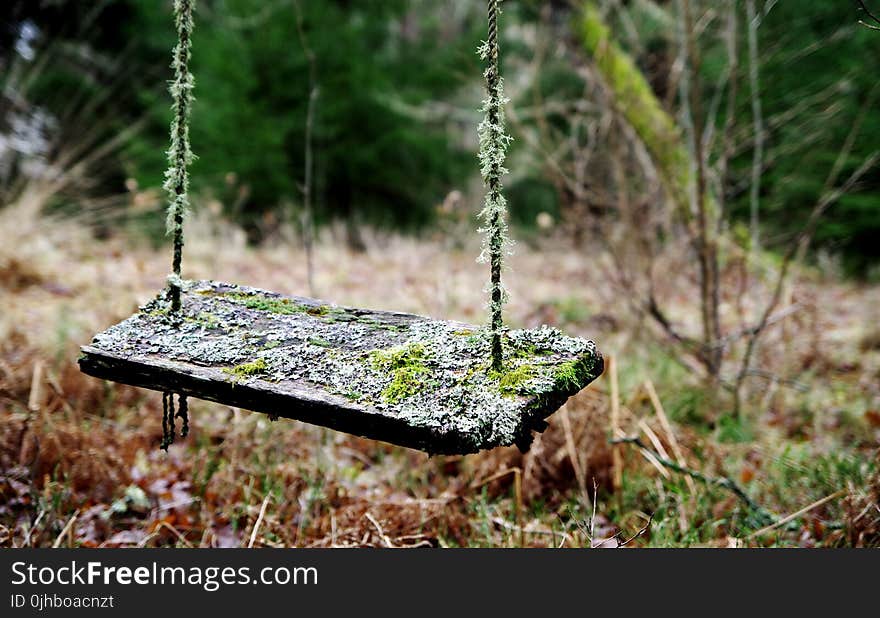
x,y
494,142
180,155
167,426
183,415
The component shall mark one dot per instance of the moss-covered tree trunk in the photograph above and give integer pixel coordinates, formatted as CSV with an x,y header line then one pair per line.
x,y
641,108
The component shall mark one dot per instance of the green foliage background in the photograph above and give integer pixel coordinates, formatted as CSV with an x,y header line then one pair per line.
x,y
372,159
381,158
816,52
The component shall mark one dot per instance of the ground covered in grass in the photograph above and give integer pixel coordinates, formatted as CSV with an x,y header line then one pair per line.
x,y
80,464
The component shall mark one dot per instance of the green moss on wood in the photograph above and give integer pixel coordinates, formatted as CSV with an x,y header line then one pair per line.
x,y
510,382
285,306
270,304
573,374
247,370
407,382
205,319
407,367
278,304
321,310
396,358
530,351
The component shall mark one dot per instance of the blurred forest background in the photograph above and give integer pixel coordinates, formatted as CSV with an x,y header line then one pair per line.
x,y
693,184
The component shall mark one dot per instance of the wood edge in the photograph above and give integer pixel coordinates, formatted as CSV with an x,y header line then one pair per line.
x,y
343,415
542,407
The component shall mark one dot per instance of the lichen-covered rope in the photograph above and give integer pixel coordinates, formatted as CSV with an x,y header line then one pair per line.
x,y
172,424
169,427
183,414
494,142
180,154
167,411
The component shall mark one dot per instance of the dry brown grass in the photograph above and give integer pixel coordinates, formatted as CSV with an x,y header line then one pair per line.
x,y
70,444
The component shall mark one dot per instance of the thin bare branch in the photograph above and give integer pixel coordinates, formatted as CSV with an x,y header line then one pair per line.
x,y
259,520
308,217
758,124
803,242
720,481
873,17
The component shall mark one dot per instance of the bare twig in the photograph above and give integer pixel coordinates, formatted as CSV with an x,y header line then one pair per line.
x,y
775,379
27,538
376,525
732,78
589,530
518,504
803,240
259,520
871,15
751,330
667,428
654,310
579,472
170,528
494,477
35,398
308,222
721,481
758,123
641,531
798,249
796,514
654,438
616,457
67,529
517,491
593,513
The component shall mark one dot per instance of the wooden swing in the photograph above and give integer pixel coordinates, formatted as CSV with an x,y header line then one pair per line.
x,y
438,386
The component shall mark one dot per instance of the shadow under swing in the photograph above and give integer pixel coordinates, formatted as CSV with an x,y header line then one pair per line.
x,y
437,386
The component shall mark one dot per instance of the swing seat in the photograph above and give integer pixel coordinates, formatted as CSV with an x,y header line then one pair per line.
x,y
393,377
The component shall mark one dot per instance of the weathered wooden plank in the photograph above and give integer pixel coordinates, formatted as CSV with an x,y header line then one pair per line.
x,y
393,377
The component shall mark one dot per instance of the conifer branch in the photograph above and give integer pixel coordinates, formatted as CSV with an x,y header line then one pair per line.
x,y
870,15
